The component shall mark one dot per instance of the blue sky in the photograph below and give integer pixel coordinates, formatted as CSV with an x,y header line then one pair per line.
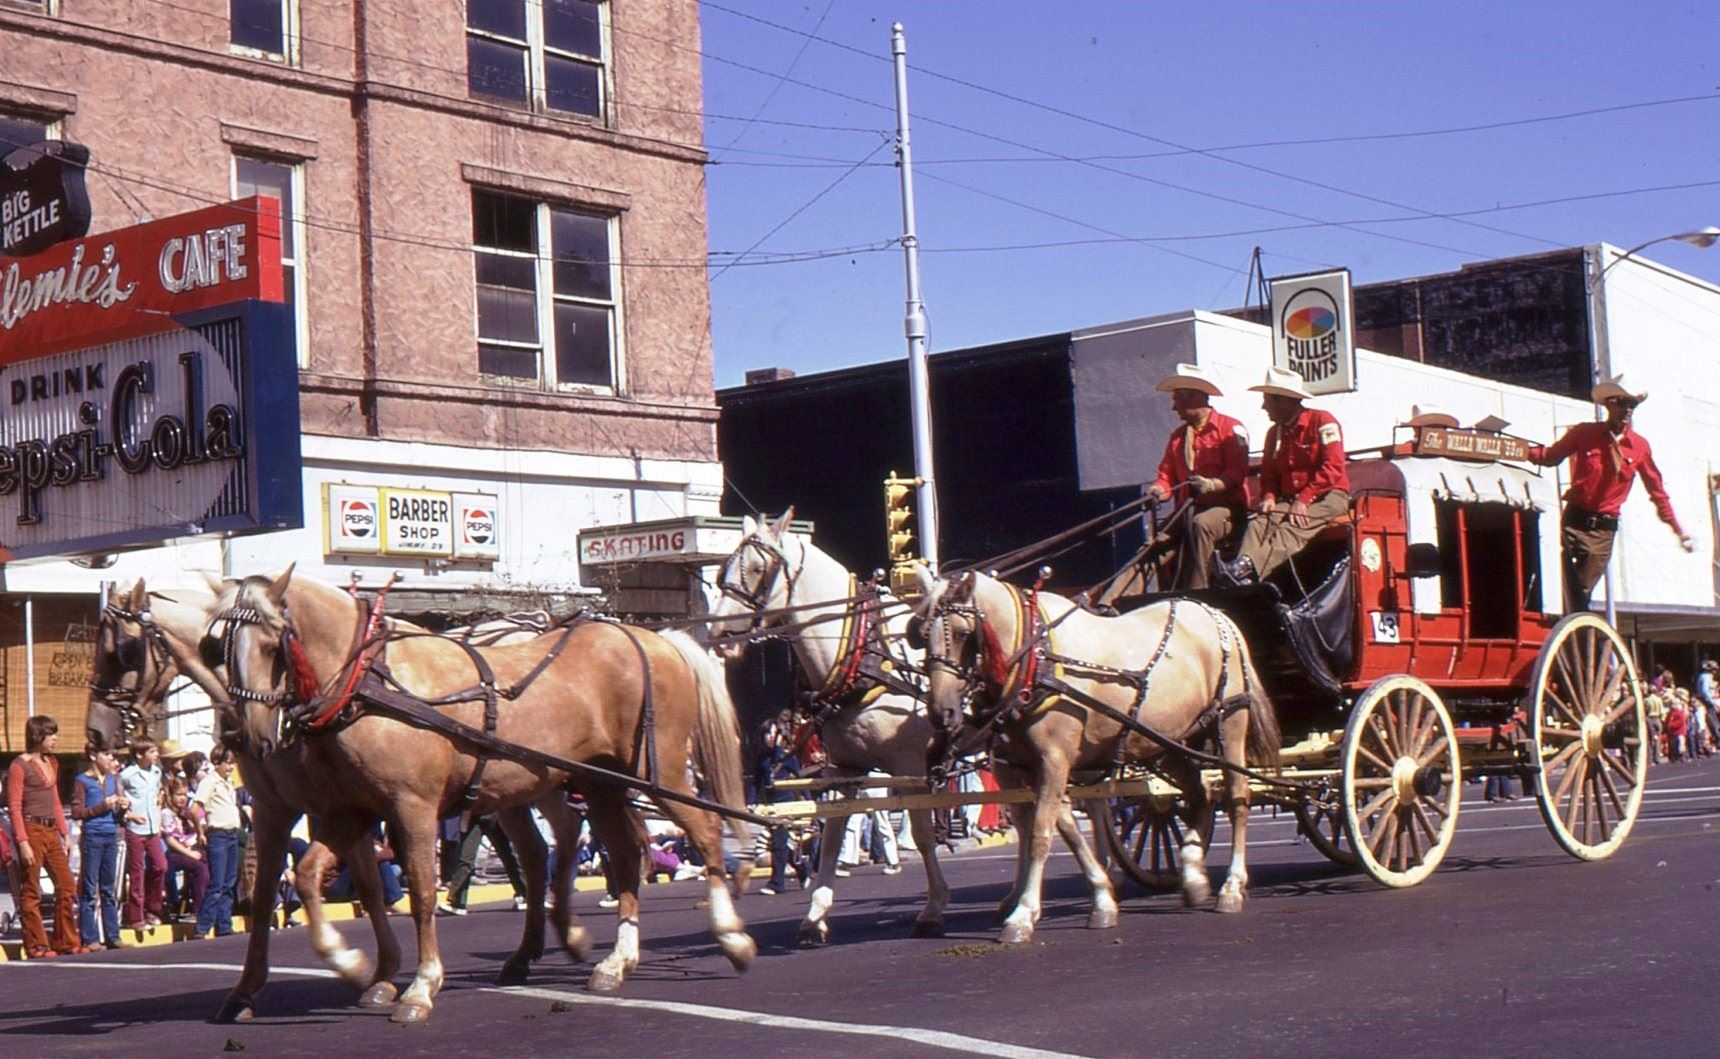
x,y
791,119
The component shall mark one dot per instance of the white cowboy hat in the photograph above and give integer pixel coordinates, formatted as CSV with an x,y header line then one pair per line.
x,y
1427,415
1284,382
1615,387
1189,377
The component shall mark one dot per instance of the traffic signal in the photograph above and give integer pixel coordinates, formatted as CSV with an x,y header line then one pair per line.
x,y
898,514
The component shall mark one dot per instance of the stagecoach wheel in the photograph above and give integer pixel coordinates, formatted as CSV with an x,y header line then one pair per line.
x,y
1589,725
1146,834
1400,785
1323,824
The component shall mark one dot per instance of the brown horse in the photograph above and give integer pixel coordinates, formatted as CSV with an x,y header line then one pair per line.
x,y
586,703
1167,666
144,642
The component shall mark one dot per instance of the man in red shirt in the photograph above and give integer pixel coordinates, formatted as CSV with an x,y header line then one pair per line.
x,y
1605,459
1207,458
1303,483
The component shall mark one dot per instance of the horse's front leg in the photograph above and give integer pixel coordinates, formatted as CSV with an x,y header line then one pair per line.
x,y
413,833
528,846
351,835
815,927
622,834
930,922
1234,892
1104,914
1053,776
1021,817
271,824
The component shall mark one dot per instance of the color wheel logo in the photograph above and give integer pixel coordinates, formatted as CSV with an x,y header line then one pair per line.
x,y
1310,323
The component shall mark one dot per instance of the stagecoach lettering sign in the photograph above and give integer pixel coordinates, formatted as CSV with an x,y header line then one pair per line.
x,y
1470,444
138,369
1313,331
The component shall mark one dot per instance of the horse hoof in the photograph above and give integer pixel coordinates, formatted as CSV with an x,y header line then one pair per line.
x,y
514,972
1004,909
1102,919
1228,903
236,1009
1195,896
603,981
411,1011
811,935
741,953
379,995
1015,934
927,928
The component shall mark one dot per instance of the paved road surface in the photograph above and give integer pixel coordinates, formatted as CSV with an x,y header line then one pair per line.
x,y
1512,948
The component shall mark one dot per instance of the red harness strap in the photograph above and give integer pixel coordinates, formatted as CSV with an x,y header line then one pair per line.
x,y
370,647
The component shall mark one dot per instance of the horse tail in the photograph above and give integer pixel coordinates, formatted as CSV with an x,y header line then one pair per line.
x,y
1264,736
717,736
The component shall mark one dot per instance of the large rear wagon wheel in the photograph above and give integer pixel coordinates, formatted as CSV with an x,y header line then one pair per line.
x,y
1322,823
1401,781
1146,835
1591,730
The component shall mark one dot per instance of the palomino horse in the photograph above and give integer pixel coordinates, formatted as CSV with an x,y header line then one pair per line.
x,y
594,692
867,719
1166,666
144,642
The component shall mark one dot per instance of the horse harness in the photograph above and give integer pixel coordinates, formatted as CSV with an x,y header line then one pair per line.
x,y
368,682
1031,680
129,653
865,668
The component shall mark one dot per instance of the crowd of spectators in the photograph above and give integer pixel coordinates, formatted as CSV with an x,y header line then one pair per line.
x,y
1683,722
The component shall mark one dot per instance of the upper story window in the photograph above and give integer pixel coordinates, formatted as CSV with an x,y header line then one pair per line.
x,y
283,181
547,306
266,29
544,54
18,131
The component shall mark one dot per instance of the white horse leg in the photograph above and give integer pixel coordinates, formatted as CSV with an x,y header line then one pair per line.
x,y
415,843
1104,914
1018,927
1196,887
1021,816
815,928
731,933
1235,890
930,922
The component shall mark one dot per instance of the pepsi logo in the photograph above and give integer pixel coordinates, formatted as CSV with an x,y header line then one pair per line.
x,y
478,526
357,519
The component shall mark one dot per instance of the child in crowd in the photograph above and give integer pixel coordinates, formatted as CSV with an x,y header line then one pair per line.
x,y
185,853
38,819
145,856
216,806
100,806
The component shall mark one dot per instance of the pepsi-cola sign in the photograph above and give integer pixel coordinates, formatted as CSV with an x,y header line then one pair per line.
x,y
383,521
477,530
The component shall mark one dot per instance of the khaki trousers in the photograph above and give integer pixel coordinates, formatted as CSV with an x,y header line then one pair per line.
x,y
1206,529
1587,553
1271,541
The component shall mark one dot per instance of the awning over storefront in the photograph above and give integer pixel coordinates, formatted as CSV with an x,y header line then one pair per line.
x,y
695,540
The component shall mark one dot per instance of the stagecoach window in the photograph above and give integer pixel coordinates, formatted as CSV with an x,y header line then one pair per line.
x,y
546,54
1530,562
1480,546
545,292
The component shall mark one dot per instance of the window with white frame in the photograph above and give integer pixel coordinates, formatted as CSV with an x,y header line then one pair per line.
x,y
547,304
267,29
543,54
19,130
283,181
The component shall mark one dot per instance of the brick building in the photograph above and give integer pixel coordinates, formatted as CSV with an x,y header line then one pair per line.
x,y
495,243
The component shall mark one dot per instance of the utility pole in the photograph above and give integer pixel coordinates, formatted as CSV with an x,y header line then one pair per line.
x,y
918,386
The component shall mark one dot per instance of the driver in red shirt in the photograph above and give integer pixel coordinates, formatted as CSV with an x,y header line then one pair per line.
x,y
1303,479
1207,459
1605,460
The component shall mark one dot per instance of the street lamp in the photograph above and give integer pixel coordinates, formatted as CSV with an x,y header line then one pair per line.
x,y
1701,238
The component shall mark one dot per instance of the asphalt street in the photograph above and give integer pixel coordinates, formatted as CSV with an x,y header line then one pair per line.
x,y
1512,948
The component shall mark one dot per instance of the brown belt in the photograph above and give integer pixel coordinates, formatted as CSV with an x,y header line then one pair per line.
x,y
42,821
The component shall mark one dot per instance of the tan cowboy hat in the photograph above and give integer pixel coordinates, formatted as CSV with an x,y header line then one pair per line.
x,y
1615,387
1427,415
1284,382
1189,377
171,750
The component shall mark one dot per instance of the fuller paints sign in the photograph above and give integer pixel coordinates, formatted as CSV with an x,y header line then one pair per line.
x,y
1313,329
425,523
139,371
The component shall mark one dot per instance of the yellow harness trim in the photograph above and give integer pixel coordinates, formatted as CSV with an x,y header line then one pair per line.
x,y
838,664
1018,672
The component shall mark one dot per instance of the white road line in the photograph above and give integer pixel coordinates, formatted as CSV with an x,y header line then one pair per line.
x,y
955,1042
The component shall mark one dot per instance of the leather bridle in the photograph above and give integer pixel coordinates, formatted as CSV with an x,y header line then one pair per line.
x,y
130,655
776,566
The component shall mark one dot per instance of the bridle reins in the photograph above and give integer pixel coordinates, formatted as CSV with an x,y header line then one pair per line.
x,y
151,646
758,600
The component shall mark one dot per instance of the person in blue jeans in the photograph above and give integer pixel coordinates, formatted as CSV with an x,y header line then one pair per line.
x,y
218,805
99,805
776,762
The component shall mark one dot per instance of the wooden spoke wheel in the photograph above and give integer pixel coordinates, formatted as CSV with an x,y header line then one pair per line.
x,y
1401,781
1323,826
1592,733
1146,836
